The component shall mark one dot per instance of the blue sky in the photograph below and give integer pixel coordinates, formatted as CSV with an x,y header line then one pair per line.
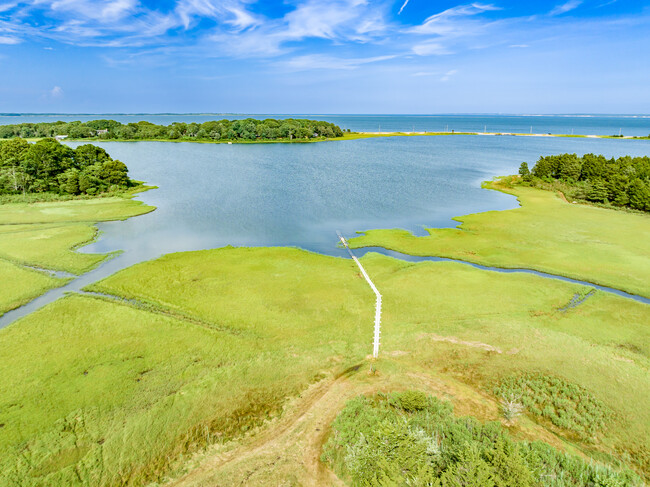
x,y
327,56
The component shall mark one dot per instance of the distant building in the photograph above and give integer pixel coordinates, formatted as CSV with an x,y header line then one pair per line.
x,y
102,131
60,137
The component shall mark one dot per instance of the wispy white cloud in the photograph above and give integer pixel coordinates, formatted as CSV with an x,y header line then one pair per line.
x,y
309,62
7,6
565,7
56,92
120,23
310,34
441,75
230,12
99,10
339,21
9,40
451,28
431,49
447,76
450,21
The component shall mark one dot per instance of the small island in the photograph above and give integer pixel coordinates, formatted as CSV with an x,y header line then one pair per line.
x,y
248,130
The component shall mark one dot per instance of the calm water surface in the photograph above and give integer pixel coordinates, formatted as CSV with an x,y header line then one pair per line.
x,y
212,195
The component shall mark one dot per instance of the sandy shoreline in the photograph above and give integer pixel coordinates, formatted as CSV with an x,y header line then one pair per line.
x,y
387,134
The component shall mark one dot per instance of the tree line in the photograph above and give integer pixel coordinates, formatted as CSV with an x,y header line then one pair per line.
x,y
249,129
622,182
48,166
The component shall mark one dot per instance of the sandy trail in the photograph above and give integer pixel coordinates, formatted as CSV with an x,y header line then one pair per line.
x,y
287,452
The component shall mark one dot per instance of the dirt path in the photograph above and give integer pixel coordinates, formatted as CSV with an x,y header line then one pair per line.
x,y
285,453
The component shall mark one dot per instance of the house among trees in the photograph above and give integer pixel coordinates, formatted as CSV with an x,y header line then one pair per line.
x,y
60,137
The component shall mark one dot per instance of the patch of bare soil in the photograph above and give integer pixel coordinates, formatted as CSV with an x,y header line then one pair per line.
x,y
458,341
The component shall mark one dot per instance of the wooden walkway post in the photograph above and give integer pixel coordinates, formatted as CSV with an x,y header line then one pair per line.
x,y
377,332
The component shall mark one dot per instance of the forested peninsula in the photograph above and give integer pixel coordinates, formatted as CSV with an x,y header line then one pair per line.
x,y
622,182
49,167
247,130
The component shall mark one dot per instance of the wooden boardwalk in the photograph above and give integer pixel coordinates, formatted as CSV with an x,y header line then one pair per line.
x,y
377,331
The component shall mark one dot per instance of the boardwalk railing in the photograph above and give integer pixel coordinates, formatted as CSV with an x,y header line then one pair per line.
x,y
377,333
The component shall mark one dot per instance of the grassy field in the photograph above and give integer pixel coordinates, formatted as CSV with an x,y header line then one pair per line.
x,y
599,245
219,341
45,235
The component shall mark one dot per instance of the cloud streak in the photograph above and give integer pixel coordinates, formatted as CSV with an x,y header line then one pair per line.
x,y
406,2
565,7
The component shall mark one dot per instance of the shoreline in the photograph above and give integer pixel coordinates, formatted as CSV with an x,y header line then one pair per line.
x,y
513,134
352,136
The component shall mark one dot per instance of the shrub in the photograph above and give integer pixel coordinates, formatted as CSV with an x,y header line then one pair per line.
x,y
566,405
376,441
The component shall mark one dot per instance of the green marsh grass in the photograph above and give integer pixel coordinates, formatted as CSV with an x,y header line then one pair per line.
x,y
20,285
128,390
568,406
231,334
547,234
45,234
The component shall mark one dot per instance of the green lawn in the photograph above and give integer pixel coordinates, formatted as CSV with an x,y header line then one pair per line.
x,y
599,245
98,392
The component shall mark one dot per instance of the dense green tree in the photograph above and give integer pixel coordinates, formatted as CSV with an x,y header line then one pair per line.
x,y
70,181
598,191
103,124
622,181
88,154
49,166
248,129
44,160
639,195
114,172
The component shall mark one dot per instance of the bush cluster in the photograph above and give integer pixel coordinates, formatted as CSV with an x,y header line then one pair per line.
x,y
51,167
383,440
246,130
621,182
566,405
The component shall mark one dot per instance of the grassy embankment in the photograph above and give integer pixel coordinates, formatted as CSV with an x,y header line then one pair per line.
x,y
546,233
222,338
45,234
